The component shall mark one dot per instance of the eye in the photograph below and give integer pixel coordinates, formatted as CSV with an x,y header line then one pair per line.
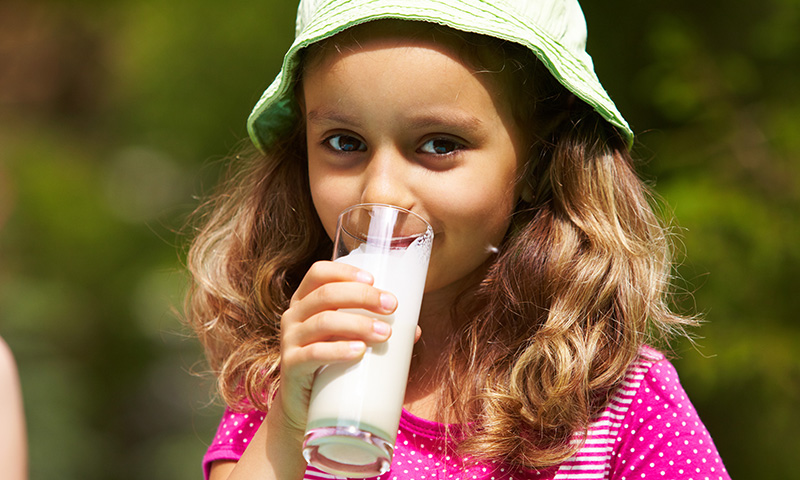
x,y
345,143
440,146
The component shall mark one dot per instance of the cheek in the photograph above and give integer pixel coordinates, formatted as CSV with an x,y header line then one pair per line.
x,y
483,209
477,223
328,201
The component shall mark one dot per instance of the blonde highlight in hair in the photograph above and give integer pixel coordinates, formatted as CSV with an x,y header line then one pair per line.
x,y
258,237
580,283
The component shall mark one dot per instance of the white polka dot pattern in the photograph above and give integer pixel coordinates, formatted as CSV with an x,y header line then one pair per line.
x,y
649,430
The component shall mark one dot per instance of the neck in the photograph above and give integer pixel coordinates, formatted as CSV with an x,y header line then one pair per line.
x,y
436,316
428,378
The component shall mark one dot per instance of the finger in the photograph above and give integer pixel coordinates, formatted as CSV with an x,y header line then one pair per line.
x,y
341,295
330,326
417,334
306,360
323,272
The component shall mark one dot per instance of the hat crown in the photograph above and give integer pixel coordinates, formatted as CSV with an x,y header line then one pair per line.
x,y
562,20
553,30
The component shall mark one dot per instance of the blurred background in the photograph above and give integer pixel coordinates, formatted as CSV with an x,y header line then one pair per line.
x,y
115,116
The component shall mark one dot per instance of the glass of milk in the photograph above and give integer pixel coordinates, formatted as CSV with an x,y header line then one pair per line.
x,y
355,407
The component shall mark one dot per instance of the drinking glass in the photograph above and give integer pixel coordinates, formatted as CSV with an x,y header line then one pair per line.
x,y
355,407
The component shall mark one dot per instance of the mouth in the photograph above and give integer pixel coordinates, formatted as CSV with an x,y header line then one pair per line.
x,y
396,243
403,242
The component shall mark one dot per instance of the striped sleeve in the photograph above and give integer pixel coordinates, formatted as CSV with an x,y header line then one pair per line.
x,y
649,429
593,460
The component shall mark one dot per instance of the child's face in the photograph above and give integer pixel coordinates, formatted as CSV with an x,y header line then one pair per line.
x,y
405,122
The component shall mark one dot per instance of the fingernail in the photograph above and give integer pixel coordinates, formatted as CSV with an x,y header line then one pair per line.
x,y
388,302
357,347
364,277
381,328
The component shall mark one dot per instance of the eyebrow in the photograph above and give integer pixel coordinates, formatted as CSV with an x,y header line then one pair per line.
x,y
461,121
331,116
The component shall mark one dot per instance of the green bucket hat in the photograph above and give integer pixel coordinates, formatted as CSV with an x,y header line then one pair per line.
x,y
554,30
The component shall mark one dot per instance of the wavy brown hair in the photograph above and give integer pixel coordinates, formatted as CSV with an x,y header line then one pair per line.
x,y
580,283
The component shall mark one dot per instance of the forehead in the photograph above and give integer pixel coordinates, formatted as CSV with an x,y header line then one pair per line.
x,y
483,55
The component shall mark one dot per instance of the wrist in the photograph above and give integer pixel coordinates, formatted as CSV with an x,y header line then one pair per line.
x,y
280,423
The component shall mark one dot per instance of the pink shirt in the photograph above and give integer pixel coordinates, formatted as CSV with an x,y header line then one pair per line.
x,y
649,430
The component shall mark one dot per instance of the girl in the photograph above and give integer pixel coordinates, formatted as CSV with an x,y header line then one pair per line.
x,y
549,271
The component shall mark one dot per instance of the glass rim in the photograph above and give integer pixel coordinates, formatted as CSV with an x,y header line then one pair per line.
x,y
384,205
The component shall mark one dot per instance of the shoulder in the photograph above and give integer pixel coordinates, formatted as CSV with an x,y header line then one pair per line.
x,y
658,387
660,431
650,377
648,374
648,356
648,426
602,436
651,391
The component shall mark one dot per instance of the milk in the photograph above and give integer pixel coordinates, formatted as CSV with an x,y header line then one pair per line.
x,y
368,394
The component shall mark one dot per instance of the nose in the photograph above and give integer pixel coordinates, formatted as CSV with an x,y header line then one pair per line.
x,y
387,180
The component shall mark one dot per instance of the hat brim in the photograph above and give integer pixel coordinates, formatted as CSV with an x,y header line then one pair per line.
x,y
276,111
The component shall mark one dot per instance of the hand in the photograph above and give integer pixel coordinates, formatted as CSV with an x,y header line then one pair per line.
x,y
314,332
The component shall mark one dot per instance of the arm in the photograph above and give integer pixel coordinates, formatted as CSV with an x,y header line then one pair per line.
x,y
13,439
314,332
274,452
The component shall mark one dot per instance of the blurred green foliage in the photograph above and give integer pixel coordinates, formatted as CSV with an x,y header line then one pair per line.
x,y
114,114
